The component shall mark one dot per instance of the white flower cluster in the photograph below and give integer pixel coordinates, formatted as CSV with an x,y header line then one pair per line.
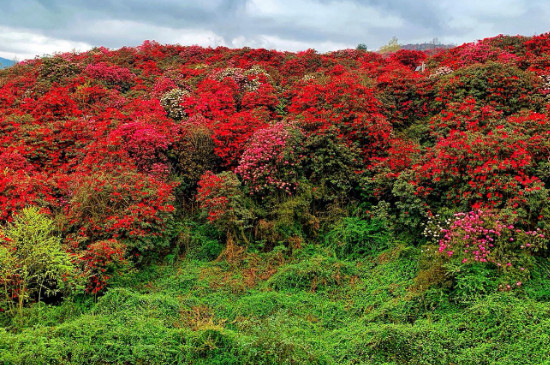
x,y
546,83
246,79
441,71
171,102
434,227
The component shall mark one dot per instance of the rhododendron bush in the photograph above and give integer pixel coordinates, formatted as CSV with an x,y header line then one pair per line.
x,y
269,163
119,147
487,238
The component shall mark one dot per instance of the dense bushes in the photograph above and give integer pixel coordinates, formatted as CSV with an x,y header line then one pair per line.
x,y
140,154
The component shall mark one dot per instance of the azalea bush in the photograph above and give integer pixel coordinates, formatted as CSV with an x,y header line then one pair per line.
x,y
101,261
112,75
503,86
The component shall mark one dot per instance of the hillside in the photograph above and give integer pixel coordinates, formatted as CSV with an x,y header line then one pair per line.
x,y
167,204
426,47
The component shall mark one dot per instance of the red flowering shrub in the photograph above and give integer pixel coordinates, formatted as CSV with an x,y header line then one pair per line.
x,y
537,54
530,128
264,97
19,189
504,87
404,94
56,104
409,58
400,157
212,99
231,134
126,206
466,115
474,170
101,260
481,52
162,86
347,105
337,102
146,145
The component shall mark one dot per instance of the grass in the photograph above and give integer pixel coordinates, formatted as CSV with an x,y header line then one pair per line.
x,y
307,307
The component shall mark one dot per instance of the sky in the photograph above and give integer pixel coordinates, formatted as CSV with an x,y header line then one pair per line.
x,y
30,28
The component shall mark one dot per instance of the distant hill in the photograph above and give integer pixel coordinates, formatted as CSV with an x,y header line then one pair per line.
x,y
4,62
426,46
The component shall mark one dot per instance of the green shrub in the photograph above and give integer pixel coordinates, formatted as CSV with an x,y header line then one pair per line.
x,y
472,282
331,166
33,264
203,241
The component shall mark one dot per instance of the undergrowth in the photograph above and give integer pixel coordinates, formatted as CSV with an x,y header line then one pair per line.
x,y
304,307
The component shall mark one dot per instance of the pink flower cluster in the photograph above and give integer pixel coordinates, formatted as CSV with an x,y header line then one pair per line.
x,y
269,160
146,145
109,73
482,236
481,52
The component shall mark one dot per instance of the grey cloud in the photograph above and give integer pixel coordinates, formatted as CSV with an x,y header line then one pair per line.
x,y
77,20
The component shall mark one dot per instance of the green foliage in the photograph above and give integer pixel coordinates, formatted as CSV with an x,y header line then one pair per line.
x,y
331,165
57,69
537,287
316,273
192,156
224,203
354,238
472,282
33,264
290,216
314,309
202,241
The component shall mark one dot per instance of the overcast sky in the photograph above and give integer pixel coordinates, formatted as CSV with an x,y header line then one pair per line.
x,y
36,27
